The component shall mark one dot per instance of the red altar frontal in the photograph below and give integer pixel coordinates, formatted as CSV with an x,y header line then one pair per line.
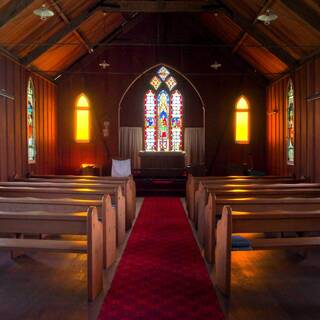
x,y
162,163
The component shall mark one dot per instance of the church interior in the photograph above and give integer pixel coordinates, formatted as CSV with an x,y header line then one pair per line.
x,y
158,159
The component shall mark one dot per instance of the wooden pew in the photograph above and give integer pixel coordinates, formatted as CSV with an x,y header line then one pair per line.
x,y
267,221
201,195
104,207
114,191
193,182
213,209
127,184
201,185
85,223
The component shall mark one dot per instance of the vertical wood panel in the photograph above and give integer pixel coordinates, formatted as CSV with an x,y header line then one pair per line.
x,y
307,124
13,122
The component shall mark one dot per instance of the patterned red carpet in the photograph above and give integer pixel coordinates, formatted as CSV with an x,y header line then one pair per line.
x,y
161,274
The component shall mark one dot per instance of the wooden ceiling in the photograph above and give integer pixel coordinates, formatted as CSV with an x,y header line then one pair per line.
x,y
80,26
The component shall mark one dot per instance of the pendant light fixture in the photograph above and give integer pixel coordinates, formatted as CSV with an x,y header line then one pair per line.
x,y
267,17
43,12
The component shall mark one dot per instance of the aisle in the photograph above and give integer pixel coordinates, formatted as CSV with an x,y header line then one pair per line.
x,y
161,274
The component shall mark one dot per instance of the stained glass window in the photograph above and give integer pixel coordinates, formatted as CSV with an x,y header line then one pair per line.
x,y
163,73
82,119
290,124
171,82
155,82
150,121
31,129
163,114
176,121
163,120
242,121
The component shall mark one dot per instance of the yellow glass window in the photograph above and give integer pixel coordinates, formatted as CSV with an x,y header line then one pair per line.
x,y
82,119
242,121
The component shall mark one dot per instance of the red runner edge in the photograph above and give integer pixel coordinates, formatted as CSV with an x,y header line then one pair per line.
x,y
161,274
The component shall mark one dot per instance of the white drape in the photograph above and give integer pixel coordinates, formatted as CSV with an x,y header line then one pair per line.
x,y
194,146
131,142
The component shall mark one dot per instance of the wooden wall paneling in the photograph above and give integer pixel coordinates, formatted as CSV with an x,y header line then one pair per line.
x,y
307,123
18,121
23,109
3,126
310,121
316,104
13,122
10,121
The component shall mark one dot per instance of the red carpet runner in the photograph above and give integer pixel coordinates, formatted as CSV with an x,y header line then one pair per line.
x,y
161,274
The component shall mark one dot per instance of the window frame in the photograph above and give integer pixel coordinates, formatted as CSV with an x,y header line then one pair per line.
x,y
30,84
78,108
237,111
290,83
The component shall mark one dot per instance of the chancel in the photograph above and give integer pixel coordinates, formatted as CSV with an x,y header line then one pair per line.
x,y
159,159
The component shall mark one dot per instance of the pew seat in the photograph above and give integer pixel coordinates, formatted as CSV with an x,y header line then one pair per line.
x,y
45,245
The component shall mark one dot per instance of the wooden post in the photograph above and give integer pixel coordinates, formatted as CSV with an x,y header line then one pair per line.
x,y
110,234
223,251
95,254
121,217
209,231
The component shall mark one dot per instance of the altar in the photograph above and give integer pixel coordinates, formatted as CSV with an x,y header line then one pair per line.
x,y
162,163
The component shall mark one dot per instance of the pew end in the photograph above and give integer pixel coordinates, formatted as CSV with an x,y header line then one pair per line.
x,y
223,251
95,254
109,234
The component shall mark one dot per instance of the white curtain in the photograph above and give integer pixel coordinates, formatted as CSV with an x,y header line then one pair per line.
x,y
131,142
194,146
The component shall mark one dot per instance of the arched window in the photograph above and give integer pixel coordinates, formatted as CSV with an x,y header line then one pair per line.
x,y
163,109
242,121
31,122
290,123
82,119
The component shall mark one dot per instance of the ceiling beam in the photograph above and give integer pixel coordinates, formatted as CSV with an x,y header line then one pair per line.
x,y
5,52
76,32
73,24
100,46
159,6
12,10
243,35
247,26
308,15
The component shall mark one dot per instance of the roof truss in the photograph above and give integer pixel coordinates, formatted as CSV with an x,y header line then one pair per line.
x,y
77,33
265,41
299,9
13,9
70,27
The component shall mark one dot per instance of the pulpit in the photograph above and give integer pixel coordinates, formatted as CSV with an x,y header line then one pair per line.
x,y
162,163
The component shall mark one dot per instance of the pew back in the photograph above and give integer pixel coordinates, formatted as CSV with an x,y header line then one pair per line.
x,y
104,207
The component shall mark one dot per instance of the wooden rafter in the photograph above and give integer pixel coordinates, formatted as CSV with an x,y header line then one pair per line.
x,y
13,9
264,40
73,25
76,32
125,27
158,6
243,35
308,15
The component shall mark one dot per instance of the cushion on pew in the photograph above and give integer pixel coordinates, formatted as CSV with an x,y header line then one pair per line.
x,y
239,243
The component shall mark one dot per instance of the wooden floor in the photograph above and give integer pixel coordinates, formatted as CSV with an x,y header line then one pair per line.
x,y
265,285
